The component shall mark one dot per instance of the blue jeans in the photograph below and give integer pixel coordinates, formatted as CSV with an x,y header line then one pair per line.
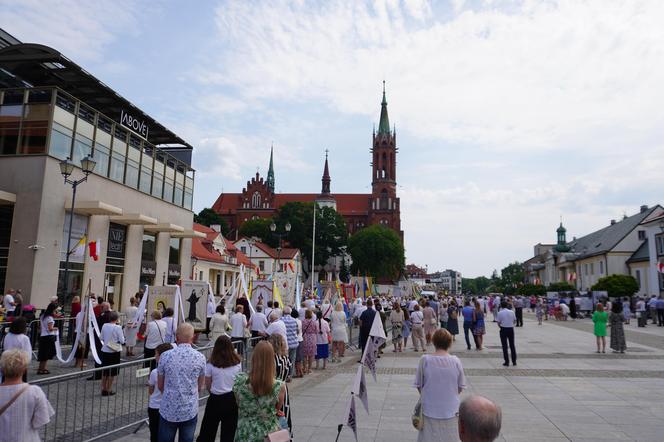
x,y
168,429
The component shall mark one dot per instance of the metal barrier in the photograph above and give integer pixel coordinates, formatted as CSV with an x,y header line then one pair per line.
x,y
82,414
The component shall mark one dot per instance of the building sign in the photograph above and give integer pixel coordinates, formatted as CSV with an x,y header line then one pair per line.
x,y
174,271
140,127
116,240
148,268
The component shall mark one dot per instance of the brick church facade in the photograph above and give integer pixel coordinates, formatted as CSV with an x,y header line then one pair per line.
x,y
259,200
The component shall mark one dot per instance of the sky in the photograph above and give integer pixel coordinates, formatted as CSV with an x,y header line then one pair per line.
x,y
509,114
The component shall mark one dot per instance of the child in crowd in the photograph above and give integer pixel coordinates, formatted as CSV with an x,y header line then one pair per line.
x,y
155,394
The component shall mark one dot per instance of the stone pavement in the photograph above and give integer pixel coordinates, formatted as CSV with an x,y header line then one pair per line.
x,y
560,391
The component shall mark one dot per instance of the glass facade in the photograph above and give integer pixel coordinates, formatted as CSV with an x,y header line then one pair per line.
x,y
6,217
48,121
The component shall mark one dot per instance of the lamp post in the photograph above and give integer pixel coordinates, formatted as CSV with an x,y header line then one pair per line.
x,y
273,228
66,169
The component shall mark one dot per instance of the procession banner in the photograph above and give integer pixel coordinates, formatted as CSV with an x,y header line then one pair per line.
x,y
160,298
360,388
195,298
261,293
376,339
351,419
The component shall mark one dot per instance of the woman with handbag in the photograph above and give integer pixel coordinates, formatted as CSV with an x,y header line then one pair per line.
x,y
310,335
24,408
430,321
260,399
440,380
113,339
155,334
47,338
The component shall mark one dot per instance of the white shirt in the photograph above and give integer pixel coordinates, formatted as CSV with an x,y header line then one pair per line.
x,y
327,310
564,309
300,338
9,303
211,308
20,342
238,324
44,326
268,311
359,310
506,318
277,327
222,378
258,322
309,303
324,330
440,378
417,318
25,418
168,336
155,397
111,333
278,311
155,334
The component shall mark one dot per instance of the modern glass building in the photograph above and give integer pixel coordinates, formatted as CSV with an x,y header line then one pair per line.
x,y
135,206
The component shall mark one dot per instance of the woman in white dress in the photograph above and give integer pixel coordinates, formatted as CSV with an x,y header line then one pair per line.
x,y
218,323
30,409
17,339
130,329
339,332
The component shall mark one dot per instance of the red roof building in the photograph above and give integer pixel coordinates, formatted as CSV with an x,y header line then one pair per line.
x,y
382,206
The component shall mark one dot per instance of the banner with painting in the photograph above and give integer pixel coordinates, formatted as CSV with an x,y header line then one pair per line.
x,y
261,292
194,299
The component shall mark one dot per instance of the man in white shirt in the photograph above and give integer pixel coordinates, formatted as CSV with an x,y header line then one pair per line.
x,y
276,309
506,320
276,326
9,304
564,309
257,323
211,308
238,324
310,304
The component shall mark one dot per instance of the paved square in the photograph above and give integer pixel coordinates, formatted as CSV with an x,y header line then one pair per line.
x,y
561,389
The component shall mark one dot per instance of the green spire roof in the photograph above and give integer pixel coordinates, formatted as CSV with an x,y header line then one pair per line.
x,y
270,171
384,125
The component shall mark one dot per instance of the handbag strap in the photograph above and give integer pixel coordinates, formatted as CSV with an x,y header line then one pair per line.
x,y
421,367
13,399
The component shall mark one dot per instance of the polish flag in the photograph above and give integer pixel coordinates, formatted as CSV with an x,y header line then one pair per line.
x,y
660,267
95,249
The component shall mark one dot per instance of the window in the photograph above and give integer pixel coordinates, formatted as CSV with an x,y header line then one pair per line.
x,y
65,103
131,178
637,276
585,269
168,190
256,200
61,138
601,267
642,235
261,266
82,148
149,250
102,157
243,249
659,241
174,251
86,114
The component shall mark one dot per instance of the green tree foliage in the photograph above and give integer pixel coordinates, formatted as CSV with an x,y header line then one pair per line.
x,y
259,228
209,217
376,251
531,289
476,286
344,272
617,285
560,287
331,232
513,275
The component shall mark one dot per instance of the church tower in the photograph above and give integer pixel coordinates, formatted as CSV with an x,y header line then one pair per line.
x,y
384,206
270,172
325,199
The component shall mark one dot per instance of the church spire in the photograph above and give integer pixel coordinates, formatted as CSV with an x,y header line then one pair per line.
x,y
384,124
270,171
326,177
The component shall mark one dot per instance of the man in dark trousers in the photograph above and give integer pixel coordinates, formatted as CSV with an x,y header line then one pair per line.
x,y
518,311
506,320
366,321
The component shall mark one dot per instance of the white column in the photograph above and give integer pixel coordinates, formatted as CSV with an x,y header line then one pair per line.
x,y
163,249
132,265
185,258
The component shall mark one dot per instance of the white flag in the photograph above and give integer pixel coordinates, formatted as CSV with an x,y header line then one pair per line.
x,y
377,328
351,420
370,356
360,388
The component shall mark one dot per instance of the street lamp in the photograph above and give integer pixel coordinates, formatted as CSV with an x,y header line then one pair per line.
x,y
66,169
273,228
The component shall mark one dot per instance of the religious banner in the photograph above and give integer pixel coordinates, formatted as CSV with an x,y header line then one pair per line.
x,y
360,388
160,298
351,419
376,339
195,295
261,293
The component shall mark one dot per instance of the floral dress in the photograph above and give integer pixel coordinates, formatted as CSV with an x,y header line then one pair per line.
x,y
257,415
310,334
479,329
617,332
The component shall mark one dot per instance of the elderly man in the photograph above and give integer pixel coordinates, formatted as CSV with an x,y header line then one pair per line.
x,y
291,339
276,326
479,420
181,375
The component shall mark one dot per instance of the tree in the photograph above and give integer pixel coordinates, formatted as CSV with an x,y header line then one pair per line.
x,y
560,287
331,231
209,217
377,251
476,286
617,286
260,228
344,273
531,289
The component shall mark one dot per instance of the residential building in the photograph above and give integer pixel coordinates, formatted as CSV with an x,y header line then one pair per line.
x,y
448,280
647,263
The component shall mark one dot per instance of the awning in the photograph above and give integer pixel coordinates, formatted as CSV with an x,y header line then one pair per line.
x,y
164,227
94,208
7,198
134,219
188,233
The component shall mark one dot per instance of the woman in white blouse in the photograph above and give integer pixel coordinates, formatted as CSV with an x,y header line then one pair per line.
x,y
155,334
218,323
30,409
238,326
339,332
113,339
47,338
220,373
440,381
130,329
17,339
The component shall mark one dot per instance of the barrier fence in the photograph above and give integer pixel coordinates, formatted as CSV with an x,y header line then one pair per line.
x,y
83,414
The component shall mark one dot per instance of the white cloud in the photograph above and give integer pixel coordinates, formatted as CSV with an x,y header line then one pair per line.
x,y
80,30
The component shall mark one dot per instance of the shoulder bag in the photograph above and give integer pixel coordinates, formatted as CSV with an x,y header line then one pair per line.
x,y
417,417
281,435
13,399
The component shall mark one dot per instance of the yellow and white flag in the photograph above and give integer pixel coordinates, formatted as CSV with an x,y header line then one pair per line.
x,y
79,248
